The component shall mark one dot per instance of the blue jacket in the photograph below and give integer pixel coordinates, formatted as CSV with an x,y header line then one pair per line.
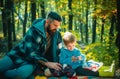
x,y
32,47
66,55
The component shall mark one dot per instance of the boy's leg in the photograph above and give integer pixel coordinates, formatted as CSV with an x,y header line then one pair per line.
x,y
22,72
86,72
5,64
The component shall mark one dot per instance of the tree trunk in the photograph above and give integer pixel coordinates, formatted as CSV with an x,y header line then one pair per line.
x,y
94,26
8,6
18,11
42,5
111,33
4,18
81,31
13,23
25,18
70,14
102,29
118,29
33,10
86,26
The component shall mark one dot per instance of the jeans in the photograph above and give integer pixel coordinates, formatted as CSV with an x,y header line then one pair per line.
x,y
9,69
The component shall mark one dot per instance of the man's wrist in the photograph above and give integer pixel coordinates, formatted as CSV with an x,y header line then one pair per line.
x,y
43,62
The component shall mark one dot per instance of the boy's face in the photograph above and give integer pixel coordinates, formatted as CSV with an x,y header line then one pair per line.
x,y
71,46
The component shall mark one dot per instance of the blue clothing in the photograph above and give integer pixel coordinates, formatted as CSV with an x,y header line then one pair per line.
x,y
65,58
30,50
66,55
14,71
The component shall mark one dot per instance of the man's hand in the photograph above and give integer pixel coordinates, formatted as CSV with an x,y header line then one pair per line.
x,y
53,65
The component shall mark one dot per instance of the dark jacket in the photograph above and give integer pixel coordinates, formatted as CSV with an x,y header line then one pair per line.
x,y
32,47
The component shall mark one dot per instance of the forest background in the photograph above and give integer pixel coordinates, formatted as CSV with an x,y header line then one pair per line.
x,y
96,24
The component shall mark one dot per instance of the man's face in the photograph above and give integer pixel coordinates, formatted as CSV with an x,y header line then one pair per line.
x,y
52,26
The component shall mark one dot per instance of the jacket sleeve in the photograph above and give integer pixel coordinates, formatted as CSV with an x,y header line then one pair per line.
x,y
33,42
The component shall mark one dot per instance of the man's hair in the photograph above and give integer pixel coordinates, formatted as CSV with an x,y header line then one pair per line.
x,y
68,38
54,16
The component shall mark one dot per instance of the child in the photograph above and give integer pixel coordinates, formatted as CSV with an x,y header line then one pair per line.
x,y
70,55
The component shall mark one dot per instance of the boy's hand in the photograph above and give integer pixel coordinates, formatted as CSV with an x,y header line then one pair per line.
x,y
74,58
79,57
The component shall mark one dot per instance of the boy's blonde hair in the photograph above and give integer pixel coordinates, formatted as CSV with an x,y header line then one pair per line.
x,y
68,37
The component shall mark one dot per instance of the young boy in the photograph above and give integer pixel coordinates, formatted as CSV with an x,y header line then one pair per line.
x,y
70,55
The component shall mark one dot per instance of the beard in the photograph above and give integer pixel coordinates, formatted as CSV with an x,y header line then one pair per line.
x,y
50,32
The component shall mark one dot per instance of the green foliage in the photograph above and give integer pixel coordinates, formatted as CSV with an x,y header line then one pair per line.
x,y
103,52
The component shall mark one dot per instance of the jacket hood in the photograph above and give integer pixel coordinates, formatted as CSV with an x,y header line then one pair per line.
x,y
39,24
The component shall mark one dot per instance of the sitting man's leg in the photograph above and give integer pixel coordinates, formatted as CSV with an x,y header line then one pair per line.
x,y
21,72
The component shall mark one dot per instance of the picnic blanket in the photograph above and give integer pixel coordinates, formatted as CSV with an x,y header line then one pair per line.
x,y
64,77
104,71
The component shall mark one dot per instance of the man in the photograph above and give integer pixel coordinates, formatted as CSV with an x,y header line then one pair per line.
x,y
40,46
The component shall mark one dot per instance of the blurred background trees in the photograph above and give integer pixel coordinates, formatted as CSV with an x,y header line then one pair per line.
x,y
95,23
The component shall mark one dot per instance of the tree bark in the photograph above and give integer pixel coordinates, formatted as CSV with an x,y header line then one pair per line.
x,y
4,18
102,29
94,26
42,9
70,14
33,10
118,29
25,18
8,6
111,33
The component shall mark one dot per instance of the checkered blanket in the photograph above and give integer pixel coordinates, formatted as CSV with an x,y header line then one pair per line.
x,y
64,77
104,71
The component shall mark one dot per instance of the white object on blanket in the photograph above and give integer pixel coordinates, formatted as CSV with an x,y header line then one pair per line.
x,y
111,67
100,64
93,65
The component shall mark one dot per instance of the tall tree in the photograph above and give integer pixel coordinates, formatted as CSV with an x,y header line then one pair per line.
x,y
86,25
94,25
4,18
25,18
70,14
13,22
111,33
33,10
102,28
8,6
118,30
42,5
